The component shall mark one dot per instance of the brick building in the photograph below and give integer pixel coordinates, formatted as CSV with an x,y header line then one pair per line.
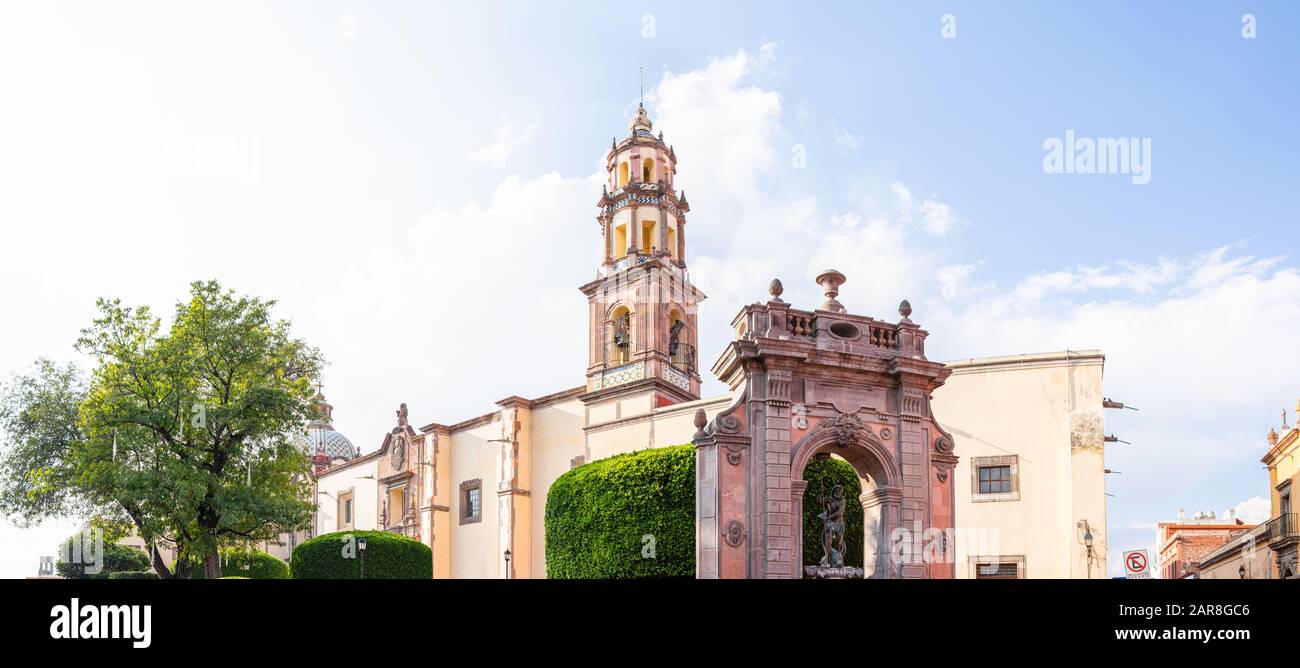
x,y
1181,545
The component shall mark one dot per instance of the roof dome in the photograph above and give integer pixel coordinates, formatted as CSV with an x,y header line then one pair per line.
x,y
321,437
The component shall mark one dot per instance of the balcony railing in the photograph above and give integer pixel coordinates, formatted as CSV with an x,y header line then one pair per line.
x,y
1283,527
684,357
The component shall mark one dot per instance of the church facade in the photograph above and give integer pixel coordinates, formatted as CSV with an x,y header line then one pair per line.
x,y
1021,466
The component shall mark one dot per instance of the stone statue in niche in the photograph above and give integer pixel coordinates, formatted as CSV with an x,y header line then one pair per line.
x,y
832,517
399,452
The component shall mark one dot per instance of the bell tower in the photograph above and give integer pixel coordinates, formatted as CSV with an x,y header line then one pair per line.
x,y
642,336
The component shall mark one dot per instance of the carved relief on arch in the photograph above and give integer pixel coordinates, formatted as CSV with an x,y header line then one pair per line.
x,y
849,430
862,444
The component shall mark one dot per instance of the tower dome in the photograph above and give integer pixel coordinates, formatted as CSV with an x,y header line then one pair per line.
x,y
320,437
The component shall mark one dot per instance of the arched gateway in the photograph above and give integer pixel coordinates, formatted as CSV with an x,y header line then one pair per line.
x,y
814,383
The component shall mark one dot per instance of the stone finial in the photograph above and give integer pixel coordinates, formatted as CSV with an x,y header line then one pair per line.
x,y
701,420
831,280
775,289
1272,437
905,310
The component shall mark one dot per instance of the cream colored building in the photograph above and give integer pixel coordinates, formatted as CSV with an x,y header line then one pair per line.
x,y
475,490
1031,476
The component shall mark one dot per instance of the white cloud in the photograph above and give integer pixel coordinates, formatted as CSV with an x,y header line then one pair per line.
x,y
508,138
1254,510
847,141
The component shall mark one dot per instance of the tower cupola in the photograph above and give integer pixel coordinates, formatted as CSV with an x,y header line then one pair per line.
x,y
642,320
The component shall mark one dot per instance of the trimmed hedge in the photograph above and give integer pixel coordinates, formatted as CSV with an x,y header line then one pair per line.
x,y
822,475
599,515
388,557
133,575
262,566
628,516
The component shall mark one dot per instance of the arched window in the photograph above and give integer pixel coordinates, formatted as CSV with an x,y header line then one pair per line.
x,y
622,174
648,170
680,351
620,336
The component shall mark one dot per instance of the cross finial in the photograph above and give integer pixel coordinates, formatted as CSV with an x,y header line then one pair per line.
x,y
641,68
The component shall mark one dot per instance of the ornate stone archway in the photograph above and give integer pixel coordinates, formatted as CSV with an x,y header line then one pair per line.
x,y
856,442
810,382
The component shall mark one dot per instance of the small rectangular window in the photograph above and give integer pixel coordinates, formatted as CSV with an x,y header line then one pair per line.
x,y
471,501
995,478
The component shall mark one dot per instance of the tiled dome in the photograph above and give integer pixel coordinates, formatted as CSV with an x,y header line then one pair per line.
x,y
321,437
335,445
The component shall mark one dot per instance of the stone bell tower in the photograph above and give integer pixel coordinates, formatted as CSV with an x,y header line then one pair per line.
x,y
642,306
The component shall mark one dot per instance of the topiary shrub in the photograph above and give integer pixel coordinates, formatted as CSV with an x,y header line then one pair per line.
x,y
133,575
628,516
260,565
822,475
337,556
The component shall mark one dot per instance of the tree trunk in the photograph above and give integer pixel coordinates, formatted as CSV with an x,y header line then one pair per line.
x,y
212,565
159,565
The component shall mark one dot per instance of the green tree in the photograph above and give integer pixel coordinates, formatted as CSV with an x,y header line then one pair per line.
x,y
188,434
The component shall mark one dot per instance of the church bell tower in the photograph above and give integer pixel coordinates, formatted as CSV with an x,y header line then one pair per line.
x,y
642,306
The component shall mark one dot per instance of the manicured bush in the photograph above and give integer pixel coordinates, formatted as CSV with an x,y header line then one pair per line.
x,y
598,516
337,556
133,575
822,475
628,516
260,565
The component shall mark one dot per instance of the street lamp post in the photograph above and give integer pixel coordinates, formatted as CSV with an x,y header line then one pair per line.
x,y
361,545
507,563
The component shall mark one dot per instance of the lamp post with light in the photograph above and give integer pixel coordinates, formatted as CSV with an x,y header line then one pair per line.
x,y
361,545
507,563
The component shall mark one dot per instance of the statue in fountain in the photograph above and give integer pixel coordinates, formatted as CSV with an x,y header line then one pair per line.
x,y
832,517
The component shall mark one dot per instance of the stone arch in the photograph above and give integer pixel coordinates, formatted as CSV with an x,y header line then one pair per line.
x,y
621,338
875,464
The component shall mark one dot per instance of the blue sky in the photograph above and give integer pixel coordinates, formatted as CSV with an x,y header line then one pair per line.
x,y
393,173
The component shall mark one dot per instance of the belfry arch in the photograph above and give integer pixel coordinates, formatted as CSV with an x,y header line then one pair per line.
x,y
812,383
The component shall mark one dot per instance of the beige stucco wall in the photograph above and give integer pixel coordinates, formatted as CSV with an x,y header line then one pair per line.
x,y
1045,410
557,440
474,551
360,477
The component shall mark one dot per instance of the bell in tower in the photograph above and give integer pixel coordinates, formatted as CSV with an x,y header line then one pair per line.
x,y
643,332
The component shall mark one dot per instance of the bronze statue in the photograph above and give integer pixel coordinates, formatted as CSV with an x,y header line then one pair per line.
x,y
832,517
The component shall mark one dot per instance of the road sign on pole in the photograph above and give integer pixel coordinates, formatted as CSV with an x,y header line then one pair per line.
x,y
1136,565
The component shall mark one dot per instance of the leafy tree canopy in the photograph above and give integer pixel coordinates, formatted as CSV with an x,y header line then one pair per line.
x,y
187,434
